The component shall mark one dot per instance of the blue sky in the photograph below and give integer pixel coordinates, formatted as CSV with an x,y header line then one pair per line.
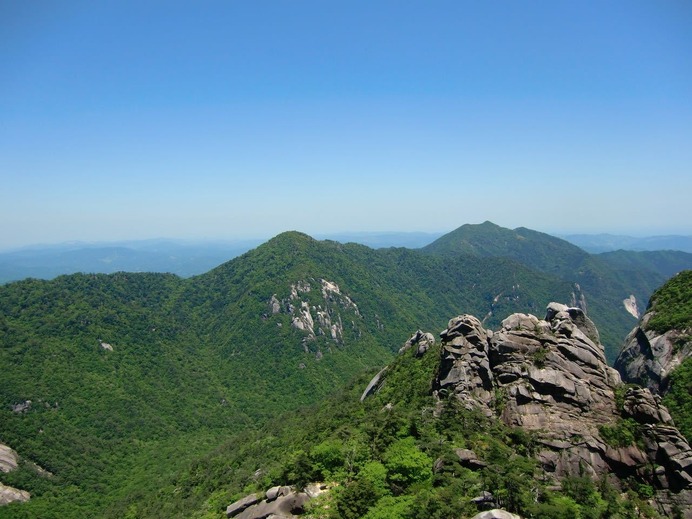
x,y
128,120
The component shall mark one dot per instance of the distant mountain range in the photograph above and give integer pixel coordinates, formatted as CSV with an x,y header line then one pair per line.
x,y
189,258
596,243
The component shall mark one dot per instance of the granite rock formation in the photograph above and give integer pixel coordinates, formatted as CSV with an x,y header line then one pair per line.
x,y
278,502
649,357
550,377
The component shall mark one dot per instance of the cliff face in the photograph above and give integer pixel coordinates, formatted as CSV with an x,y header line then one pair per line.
x,y
649,357
550,376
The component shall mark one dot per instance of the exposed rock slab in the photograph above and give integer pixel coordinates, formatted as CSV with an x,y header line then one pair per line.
x,y
279,502
12,495
496,514
8,459
648,357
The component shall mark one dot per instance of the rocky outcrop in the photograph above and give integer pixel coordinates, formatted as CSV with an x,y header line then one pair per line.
x,y
649,357
279,502
9,461
11,495
319,313
496,514
550,376
421,340
630,305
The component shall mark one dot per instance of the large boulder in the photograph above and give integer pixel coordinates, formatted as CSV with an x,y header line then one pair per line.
x,y
496,514
279,502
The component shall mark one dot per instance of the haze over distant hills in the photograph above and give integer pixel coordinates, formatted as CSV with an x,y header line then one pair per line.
x,y
189,258
596,243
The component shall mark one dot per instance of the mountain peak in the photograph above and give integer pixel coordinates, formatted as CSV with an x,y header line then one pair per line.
x,y
288,236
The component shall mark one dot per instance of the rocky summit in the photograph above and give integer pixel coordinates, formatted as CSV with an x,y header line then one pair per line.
x,y
550,376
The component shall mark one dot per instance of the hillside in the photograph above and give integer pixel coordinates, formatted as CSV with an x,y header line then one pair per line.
x,y
106,376
527,418
665,263
611,287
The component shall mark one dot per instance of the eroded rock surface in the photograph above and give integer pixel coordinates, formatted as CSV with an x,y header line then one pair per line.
x,y
11,495
550,376
9,462
649,357
278,502
8,459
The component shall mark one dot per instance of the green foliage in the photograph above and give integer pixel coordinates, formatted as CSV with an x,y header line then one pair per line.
x,y
539,357
390,507
672,304
678,400
406,464
623,434
356,498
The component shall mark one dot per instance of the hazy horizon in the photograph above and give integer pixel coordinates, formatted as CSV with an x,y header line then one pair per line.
x,y
220,120
230,240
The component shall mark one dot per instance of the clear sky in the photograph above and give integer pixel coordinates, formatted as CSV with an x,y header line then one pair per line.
x,y
235,119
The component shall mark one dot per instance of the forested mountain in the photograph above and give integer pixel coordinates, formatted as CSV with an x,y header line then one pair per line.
x,y
527,418
184,258
104,376
665,263
611,287
113,383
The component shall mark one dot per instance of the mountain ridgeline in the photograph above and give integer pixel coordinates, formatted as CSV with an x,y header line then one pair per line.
x,y
112,384
610,287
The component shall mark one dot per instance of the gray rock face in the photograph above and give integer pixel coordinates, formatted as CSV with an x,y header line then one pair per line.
x,y
11,495
421,340
235,508
496,514
550,377
9,462
373,385
465,365
8,459
648,357
22,407
279,502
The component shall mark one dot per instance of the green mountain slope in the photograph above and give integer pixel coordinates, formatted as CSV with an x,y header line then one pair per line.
x,y
412,450
605,281
534,249
665,263
194,360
